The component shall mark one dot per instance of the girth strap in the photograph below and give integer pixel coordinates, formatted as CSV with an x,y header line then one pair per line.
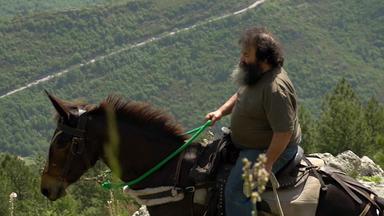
x,y
168,193
156,196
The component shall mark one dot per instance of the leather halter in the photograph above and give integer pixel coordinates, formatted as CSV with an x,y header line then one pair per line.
x,y
78,142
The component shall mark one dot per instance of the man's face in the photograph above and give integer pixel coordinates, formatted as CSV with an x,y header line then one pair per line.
x,y
248,55
249,69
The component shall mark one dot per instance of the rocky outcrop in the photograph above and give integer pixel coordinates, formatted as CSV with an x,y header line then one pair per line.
x,y
352,164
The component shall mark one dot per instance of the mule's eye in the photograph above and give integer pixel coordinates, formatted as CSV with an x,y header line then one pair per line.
x,y
60,140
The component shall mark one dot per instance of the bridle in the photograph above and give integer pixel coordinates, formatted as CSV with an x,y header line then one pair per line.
x,y
77,145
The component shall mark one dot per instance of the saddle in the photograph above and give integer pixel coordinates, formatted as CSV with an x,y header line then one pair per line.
x,y
212,167
212,157
288,175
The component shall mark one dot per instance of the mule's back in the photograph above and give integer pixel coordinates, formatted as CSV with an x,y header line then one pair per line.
x,y
302,198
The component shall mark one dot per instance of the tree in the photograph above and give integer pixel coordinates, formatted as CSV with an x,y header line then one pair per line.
x,y
309,131
374,114
342,123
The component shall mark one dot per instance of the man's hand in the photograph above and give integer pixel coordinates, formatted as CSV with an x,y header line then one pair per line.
x,y
214,116
225,109
268,167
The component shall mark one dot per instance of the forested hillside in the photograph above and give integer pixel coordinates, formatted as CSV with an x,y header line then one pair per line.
x,y
12,8
37,45
334,53
185,73
343,113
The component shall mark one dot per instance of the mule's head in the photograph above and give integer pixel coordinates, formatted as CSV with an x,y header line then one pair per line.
x,y
68,157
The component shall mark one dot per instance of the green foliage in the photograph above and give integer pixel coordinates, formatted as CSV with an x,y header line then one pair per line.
x,y
37,45
378,153
10,9
345,123
310,135
187,73
374,114
84,198
342,124
374,179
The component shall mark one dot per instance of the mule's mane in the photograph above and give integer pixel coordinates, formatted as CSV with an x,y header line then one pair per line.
x,y
141,114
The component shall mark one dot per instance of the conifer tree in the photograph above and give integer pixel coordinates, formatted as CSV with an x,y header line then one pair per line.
x,y
374,114
309,131
342,124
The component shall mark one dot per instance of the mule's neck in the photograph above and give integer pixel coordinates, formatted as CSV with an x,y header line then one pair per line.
x,y
135,149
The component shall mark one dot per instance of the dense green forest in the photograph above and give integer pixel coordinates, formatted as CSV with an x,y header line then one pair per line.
x,y
185,73
12,8
37,45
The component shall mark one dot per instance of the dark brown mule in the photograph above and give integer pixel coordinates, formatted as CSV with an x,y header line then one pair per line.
x,y
145,137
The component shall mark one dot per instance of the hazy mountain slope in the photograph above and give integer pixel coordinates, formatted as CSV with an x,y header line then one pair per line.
x,y
12,8
34,46
188,73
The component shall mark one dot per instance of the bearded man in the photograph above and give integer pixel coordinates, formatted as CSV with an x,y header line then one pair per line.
x,y
264,116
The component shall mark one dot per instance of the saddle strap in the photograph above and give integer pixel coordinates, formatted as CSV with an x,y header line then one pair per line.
x,y
363,191
317,174
345,187
156,196
351,187
352,182
176,178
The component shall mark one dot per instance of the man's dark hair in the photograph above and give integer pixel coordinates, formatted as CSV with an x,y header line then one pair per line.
x,y
268,49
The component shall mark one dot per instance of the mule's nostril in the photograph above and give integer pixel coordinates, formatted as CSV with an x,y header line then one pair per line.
x,y
45,192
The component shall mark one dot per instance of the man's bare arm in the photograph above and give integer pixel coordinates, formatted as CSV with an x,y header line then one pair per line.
x,y
280,141
224,110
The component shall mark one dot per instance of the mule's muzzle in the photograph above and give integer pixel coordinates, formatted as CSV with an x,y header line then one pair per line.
x,y
52,188
53,194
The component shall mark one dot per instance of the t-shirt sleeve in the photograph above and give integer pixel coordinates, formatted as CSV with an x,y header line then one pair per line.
x,y
279,109
240,90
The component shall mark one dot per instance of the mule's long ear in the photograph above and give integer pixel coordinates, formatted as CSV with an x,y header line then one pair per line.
x,y
58,104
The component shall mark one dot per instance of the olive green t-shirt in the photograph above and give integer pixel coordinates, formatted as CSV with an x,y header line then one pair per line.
x,y
268,106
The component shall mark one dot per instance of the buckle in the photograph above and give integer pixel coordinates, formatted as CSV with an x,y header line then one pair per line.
x,y
190,189
78,146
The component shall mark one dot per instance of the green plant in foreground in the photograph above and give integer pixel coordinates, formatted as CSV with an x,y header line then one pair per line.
x,y
255,179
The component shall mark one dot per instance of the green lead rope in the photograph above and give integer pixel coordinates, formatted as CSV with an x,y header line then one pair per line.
x,y
196,132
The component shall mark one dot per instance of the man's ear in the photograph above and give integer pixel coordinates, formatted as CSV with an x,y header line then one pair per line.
x,y
58,104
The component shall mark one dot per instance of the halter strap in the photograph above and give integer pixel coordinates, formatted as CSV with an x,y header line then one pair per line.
x,y
78,139
71,131
79,131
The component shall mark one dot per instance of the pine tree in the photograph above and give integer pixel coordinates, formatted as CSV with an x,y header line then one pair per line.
x,y
309,131
342,124
374,114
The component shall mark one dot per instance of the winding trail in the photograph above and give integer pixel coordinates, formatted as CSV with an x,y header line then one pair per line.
x,y
153,39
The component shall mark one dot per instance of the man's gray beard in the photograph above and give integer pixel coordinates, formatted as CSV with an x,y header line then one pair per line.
x,y
238,76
